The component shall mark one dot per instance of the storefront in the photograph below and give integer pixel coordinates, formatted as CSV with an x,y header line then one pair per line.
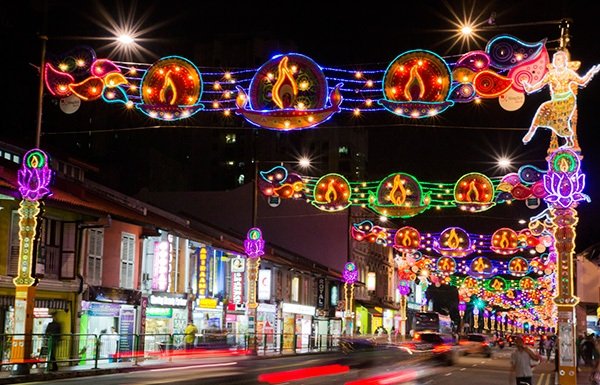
x,y
105,308
266,326
368,317
208,315
166,315
297,325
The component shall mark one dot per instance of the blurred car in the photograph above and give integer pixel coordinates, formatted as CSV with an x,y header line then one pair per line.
x,y
529,339
441,346
475,343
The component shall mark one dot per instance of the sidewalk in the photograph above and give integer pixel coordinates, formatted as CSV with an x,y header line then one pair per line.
x,y
544,374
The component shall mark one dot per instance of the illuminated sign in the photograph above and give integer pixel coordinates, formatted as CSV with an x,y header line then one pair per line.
x,y
160,276
264,284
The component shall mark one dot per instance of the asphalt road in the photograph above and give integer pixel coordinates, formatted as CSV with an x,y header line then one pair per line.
x,y
364,368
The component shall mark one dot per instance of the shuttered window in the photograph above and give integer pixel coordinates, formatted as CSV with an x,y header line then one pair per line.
x,y
127,260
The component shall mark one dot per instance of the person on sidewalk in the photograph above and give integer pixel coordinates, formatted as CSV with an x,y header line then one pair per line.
x,y
52,334
521,362
190,335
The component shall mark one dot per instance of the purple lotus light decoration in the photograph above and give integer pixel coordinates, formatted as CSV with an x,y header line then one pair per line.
x,y
462,306
254,245
404,288
34,175
564,182
350,273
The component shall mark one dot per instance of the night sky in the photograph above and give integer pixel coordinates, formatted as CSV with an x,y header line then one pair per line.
x,y
463,139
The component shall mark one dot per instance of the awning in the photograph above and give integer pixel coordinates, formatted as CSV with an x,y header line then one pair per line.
x,y
60,304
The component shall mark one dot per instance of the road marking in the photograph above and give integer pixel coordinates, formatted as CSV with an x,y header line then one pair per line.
x,y
474,365
448,374
194,366
461,369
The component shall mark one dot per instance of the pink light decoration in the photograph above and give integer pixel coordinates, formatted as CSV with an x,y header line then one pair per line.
x,y
160,274
254,245
34,175
350,274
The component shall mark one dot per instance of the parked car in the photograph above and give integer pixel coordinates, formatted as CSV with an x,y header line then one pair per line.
x,y
475,343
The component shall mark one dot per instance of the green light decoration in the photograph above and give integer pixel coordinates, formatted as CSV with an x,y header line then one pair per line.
x,y
399,195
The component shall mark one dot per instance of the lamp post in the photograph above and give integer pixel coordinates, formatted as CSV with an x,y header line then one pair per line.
x,y
254,246
34,178
350,276
404,289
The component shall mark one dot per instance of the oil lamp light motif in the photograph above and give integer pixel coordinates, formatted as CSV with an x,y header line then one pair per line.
x,y
505,241
474,192
416,85
289,92
399,196
331,193
171,89
407,239
454,242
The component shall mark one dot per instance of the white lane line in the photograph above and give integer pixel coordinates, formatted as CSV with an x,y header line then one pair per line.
x,y
461,369
448,374
195,366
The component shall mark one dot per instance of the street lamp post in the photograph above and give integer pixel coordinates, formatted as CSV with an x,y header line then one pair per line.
x,y
350,276
34,178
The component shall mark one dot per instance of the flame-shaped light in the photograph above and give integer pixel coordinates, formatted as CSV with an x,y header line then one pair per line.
x,y
398,192
472,194
168,92
331,194
414,84
453,240
285,88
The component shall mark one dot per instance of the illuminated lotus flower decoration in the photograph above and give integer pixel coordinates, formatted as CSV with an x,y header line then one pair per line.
x,y
289,92
254,244
367,231
416,85
564,182
34,175
399,196
350,274
278,182
404,288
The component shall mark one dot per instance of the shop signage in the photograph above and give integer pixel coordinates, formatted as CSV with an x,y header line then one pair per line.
x,y
208,303
103,309
126,329
168,299
238,265
237,287
266,308
295,308
264,285
202,256
160,274
321,293
159,312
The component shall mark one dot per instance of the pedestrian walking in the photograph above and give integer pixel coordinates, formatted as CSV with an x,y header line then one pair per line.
x,y
52,335
190,335
521,362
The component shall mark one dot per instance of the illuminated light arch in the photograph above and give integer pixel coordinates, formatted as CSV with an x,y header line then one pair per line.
x,y
367,231
416,84
481,267
518,267
171,89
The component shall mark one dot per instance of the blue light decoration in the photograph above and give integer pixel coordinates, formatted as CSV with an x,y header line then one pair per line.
x,y
289,92
171,89
564,182
416,85
254,244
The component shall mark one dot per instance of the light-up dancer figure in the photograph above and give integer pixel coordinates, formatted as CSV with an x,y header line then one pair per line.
x,y
556,113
